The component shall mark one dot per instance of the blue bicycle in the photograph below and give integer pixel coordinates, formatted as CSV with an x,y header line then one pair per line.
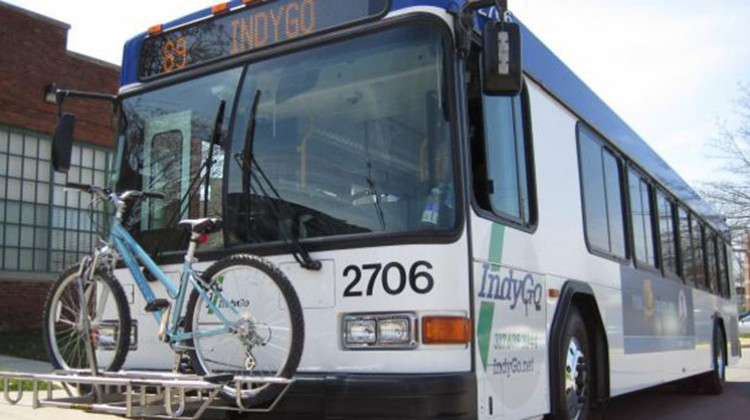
x,y
242,317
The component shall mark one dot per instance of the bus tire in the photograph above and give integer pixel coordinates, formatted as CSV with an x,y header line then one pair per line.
x,y
712,382
576,370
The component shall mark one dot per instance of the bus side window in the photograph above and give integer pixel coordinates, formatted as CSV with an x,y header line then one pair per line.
x,y
640,215
699,264
712,261
601,182
724,282
667,234
503,170
686,247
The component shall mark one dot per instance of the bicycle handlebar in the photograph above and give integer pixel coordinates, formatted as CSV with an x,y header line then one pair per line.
x,y
106,193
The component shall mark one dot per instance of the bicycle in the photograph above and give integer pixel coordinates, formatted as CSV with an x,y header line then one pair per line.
x,y
242,317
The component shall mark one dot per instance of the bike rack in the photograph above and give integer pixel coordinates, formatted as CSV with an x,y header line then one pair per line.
x,y
137,394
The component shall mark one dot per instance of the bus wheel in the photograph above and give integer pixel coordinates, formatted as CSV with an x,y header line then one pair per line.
x,y
576,370
713,382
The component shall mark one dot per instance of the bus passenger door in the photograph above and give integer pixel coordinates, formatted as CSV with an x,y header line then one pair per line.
x,y
167,168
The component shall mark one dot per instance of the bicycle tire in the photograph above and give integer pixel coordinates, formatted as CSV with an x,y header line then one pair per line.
x,y
291,305
122,343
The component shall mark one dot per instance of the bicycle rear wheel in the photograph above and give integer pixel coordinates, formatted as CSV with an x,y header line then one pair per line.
x,y
109,317
267,330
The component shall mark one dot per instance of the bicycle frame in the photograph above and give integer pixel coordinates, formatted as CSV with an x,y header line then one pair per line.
x,y
132,253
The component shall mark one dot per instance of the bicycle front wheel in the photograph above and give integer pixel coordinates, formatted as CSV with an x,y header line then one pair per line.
x,y
264,334
108,315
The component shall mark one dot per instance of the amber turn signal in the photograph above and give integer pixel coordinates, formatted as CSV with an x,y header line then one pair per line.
x,y
446,330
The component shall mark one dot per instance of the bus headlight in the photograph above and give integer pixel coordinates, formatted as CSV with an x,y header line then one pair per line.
x,y
359,332
372,331
394,331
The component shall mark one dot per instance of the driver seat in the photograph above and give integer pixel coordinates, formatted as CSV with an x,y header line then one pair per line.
x,y
205,226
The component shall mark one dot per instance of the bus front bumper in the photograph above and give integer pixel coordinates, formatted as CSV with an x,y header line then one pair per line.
x,y
372,397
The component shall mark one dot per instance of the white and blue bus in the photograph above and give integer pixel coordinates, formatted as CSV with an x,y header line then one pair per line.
x,y
481,256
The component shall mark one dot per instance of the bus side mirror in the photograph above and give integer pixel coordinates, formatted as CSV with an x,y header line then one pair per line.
x,y
62,142
501,60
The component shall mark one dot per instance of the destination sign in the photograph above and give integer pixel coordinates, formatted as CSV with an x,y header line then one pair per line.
x,y
262,24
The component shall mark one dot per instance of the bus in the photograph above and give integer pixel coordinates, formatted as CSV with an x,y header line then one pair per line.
x,y
458,254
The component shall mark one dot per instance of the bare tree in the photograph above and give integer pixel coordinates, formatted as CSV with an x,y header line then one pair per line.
x,y
731,195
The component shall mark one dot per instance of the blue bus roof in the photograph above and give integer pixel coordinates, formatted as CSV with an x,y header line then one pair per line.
x,y
546,69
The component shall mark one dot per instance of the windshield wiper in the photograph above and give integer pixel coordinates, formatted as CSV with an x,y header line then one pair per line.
x,y
215,139
375,196
247,162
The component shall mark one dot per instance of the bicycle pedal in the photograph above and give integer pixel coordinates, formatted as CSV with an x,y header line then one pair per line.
x,y
157,305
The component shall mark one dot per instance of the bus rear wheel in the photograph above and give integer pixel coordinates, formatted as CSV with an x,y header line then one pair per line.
x,y
713,382
576,370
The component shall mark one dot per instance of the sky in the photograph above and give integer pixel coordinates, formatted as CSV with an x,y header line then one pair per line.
x,y
669,68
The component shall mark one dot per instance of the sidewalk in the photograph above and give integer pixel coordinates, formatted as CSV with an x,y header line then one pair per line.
x,y
14,364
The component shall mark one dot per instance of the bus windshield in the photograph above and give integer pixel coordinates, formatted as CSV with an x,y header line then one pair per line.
x,y
352,137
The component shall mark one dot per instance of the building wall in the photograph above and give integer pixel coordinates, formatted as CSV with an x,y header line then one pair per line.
x,y
43,229
34,55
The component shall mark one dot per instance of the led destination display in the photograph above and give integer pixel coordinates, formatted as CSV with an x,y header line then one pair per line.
x,y
247,29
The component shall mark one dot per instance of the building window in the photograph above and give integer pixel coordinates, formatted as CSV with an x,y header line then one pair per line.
x,y
602,196
25,172
35,228
667,237
640,216
507,185
74,223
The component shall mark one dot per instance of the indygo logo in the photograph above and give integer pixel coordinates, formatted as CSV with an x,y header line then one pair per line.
x,y
524,290
511,367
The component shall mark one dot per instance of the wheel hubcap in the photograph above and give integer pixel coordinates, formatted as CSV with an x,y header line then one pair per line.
x,y
576,378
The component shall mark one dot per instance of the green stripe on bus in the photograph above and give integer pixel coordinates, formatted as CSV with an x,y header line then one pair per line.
x,y
487,309
497,238
484,330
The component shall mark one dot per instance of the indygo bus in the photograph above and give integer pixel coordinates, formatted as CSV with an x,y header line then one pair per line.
x,y
458,253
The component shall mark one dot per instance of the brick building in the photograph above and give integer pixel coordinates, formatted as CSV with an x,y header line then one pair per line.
x,y
43,229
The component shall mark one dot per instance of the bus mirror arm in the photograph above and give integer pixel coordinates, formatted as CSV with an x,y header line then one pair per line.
x,y
466,21
62,139
62,94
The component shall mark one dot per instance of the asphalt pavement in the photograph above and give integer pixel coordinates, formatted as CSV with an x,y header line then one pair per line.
x,y
675,402
668,402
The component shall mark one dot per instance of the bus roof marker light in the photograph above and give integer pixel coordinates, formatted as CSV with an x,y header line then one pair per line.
x,y
156,29
219,8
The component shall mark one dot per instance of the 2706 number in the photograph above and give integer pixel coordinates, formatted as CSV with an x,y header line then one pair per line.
x,y
392,276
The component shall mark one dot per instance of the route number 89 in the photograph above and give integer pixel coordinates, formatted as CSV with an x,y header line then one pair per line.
x,y
393,278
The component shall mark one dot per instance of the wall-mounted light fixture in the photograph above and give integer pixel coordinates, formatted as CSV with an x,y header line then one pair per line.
x,y
50,93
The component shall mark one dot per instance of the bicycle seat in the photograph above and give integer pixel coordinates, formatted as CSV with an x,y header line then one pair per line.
x,y
201,226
